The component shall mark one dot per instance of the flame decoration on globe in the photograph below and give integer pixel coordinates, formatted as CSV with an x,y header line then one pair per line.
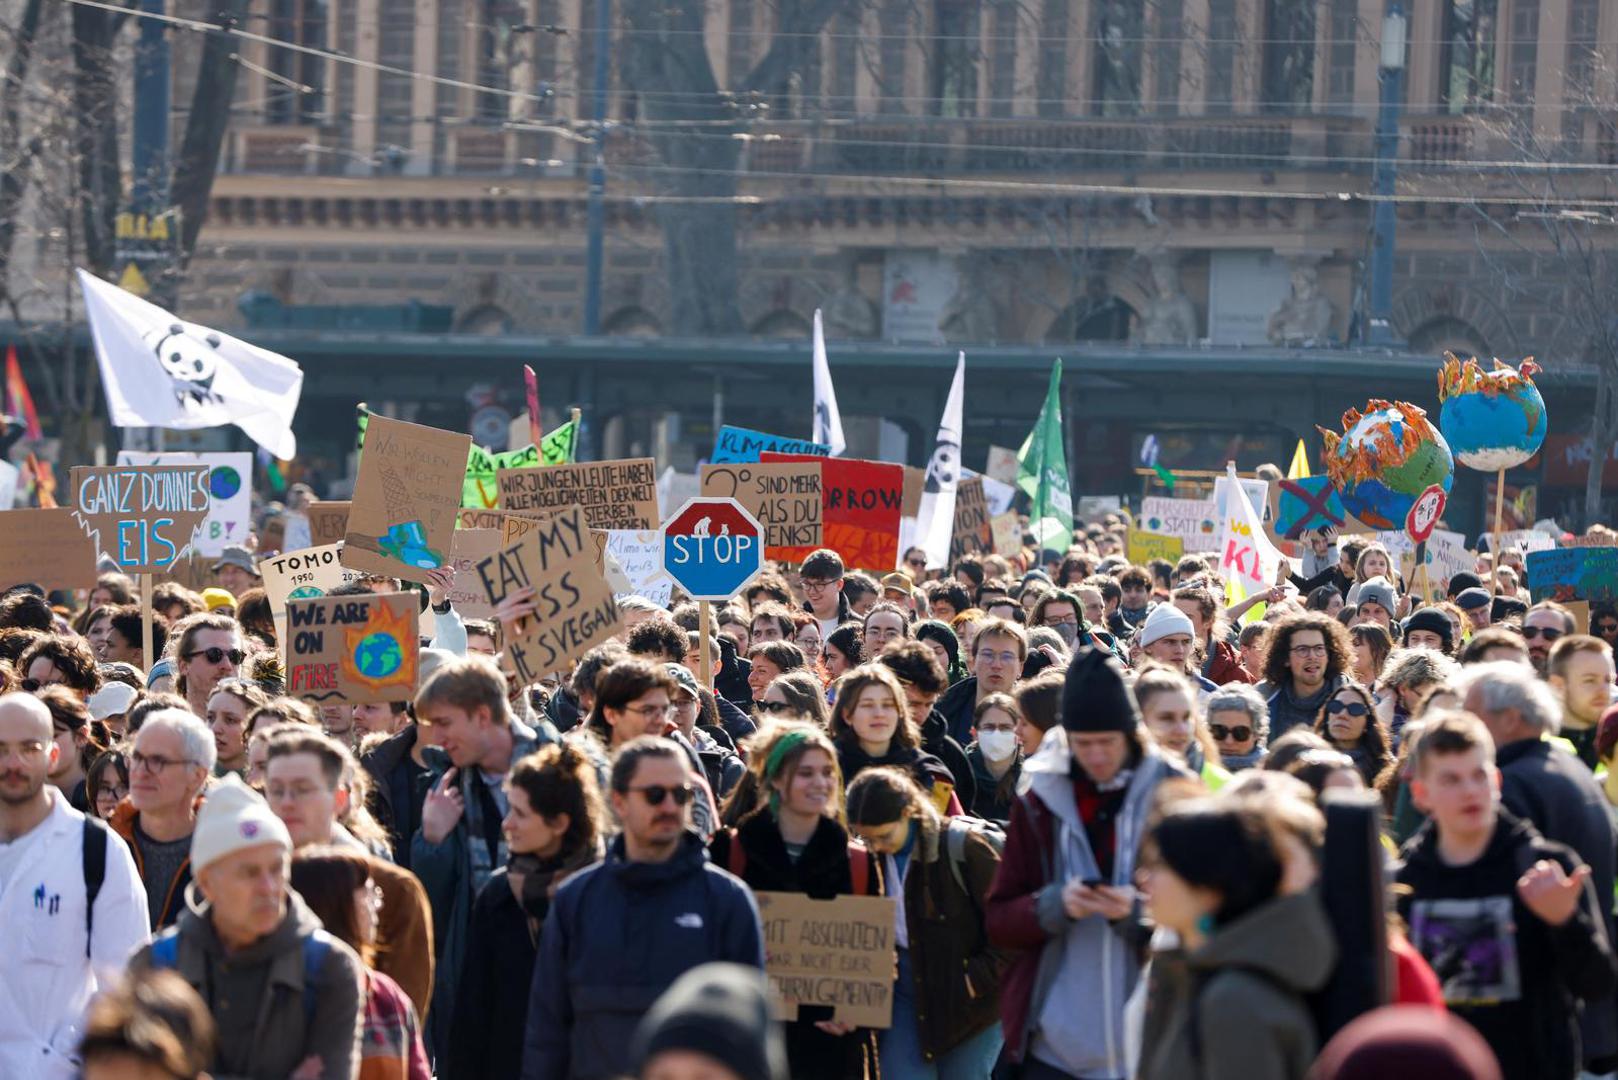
x,y
1384,459
1493,420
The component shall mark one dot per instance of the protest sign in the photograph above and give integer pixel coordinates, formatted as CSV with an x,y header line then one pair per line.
x,y
1007,530
972,533
1194,521
467,518
481,490
1145,546
785,497
143,516
738,444
1447,556
1525,539
836,953
9,476
1002,465
230,492
301,575
470,547
47,548
328,521
1096,507
1258,494
618,494
915,482
1309,503
405,499
295,531
1564,574
353,649
638,554
999,496
1587,541
575,608
860,519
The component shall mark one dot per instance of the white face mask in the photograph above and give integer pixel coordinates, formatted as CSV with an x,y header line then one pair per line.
x,y
997,745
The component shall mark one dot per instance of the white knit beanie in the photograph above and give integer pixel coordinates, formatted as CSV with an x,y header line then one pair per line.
x,y
1164,621
233,817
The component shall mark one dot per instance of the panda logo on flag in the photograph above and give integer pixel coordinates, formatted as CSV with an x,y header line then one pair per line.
x,y
944,468
190,361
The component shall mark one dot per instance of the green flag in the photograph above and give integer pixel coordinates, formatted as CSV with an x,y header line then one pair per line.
x,y
481,490
558,447
1042,472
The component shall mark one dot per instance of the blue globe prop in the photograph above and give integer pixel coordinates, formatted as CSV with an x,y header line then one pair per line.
x,y
1384,459
1493,420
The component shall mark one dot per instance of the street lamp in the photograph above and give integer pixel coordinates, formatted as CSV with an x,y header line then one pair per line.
x,y
1384,222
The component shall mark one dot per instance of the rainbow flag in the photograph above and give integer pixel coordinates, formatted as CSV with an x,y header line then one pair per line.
x,y
19,402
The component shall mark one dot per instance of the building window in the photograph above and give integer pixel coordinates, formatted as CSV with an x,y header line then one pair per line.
x,y
1170,18
894,23
1343,30
954,90
1118,34
298,22
1051,77
1220,86
396,43
1289,56
502,50
1002,57
1524,50
1466,65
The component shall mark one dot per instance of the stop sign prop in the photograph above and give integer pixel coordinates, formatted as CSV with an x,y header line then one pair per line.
x,y
712,547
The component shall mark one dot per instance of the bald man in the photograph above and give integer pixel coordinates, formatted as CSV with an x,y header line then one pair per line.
x,y
58,953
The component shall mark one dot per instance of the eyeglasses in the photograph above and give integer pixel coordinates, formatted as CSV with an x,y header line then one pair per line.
x,y
919,564
815,584
989,656
772,707
1308,650
154,763
1546,632
1352,708
654,794
808,641
214,654
1240,733
650,712
27,751
111,791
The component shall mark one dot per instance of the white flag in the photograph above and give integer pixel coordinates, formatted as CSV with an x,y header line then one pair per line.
x,y
160,371
1248,561
935,520
828,427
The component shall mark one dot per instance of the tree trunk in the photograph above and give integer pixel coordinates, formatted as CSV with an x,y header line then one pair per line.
x,y
205,128
699,239
95,98
15,159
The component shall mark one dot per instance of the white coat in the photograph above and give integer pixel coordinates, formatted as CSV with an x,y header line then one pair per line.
x,y
46,981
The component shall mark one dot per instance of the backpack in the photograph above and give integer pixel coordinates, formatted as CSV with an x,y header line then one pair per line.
x,y
955,833
166,954
95,872
859,862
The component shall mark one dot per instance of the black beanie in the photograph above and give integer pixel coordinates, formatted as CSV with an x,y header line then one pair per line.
x,y
721,1011
1461,582
1095,696
1433,621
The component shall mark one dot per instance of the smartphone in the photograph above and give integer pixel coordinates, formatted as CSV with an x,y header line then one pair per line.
x,y
1091,883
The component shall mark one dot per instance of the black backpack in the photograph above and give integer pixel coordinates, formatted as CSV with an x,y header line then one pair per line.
x,y
95,872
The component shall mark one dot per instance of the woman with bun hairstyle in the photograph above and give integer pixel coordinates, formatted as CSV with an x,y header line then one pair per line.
x,y
793,841
554,827
871,726
946,999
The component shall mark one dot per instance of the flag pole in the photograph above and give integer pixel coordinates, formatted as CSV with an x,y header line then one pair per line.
x,y
573,443
703,631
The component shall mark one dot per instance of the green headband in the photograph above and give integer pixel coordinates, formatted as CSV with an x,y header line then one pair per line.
x,y
783,746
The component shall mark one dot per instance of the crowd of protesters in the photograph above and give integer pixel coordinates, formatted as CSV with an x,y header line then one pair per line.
x,y
1098,795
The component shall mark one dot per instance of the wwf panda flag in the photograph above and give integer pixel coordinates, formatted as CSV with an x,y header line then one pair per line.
x,y
935,520
160,371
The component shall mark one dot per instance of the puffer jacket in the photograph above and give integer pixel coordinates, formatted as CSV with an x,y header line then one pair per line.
x,y
1234,1009
617,935
279,1039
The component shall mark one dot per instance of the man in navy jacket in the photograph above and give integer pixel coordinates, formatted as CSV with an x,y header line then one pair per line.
x,y
620,932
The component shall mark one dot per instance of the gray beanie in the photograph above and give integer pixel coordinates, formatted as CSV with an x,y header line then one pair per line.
x,y
1379,590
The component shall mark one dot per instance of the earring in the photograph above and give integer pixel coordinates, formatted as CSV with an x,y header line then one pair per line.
x,y
1205,925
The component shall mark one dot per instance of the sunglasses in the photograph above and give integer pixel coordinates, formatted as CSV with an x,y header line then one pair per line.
x,y
1352,708
772,707
214,654
1220,732
1607,628
654,794
31,686
1532,632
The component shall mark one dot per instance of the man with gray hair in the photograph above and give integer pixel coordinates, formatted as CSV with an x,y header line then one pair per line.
x,y
1550,787
171,760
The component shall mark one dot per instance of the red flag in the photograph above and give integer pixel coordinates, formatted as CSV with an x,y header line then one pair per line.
x,y
19,402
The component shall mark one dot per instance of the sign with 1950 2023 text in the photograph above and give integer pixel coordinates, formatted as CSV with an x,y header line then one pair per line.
x,y
143,516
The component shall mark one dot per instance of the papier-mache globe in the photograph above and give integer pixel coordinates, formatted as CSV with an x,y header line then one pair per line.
x,y
1493,419
1384,459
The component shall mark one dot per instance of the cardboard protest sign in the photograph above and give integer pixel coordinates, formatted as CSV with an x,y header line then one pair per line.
x,y
1564,574
1145,546
836,953
638,554
1586,541
230,492
1195,521
1007,534
915,483
785,497
1002,464
860,519
301,575
1580,610
467,518
613,494
576,610
1447,555
405,499
470,547
328,521
738,444
1526,539
972,533
481,489
1309,503
47,548
353,649
143,516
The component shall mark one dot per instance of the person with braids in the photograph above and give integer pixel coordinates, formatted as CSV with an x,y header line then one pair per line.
x,y
792,841
554,826
946,999
871,726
